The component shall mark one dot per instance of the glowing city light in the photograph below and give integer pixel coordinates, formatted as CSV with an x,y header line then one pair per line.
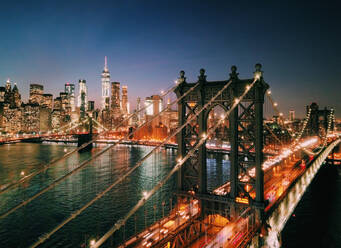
x,y
257,75
92,242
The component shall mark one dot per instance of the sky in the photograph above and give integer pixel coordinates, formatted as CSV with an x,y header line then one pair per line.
x,y
148,42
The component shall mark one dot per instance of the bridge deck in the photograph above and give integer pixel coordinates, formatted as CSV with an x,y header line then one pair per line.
x,y
279,179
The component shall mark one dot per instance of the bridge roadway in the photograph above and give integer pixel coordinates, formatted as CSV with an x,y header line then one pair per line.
x,y
277,180
167,227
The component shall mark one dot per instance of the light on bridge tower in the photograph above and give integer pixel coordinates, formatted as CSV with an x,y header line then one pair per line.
x,y
105,78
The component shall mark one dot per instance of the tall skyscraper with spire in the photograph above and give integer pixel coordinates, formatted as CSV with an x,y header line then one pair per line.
x,y
83,95
105,78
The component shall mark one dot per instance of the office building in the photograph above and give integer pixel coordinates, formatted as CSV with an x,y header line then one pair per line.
x,y
105,78
36,93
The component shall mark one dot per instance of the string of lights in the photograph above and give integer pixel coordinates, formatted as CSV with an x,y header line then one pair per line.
x,y
179,164
86,162
274,105
68,154
138,164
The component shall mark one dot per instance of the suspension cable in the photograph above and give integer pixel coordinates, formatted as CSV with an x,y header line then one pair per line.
x,y
179,164
138,164
305,122
66,155
275,107
280,114
84,163
66,125
273,134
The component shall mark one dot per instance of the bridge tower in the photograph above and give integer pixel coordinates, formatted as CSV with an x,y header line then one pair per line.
x,y
246,134
85,138
315,116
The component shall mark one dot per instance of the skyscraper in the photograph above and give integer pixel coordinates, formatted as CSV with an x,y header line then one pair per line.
x,y
83,95
292,115
115,97
153,107
125,104
70,90
105,85
47,101
36,93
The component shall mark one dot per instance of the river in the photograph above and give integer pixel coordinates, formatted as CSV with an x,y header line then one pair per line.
x,y
23,227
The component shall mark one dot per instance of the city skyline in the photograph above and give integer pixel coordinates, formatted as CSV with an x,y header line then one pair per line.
x,y
148,44
183,124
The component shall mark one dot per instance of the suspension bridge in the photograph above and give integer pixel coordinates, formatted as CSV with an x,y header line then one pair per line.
x,y
269,170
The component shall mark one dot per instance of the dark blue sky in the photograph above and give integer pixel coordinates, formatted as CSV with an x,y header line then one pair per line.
x,y
149,42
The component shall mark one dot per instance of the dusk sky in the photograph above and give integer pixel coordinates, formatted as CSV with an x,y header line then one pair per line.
x,y
149,42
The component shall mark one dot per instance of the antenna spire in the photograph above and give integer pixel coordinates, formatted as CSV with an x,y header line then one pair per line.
x,y
105,63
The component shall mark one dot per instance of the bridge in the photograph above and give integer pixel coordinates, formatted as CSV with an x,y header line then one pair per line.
x,y
270,170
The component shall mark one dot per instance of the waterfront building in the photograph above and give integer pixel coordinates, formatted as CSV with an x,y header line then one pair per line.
x,y
56,119
105,78
153,107
47,101
82,95
11,96
8,92
2,94
65,102
45,119
16,98
57,103
70,90
115,98
125,103
169,118
36,93
30,118
12,119
8,85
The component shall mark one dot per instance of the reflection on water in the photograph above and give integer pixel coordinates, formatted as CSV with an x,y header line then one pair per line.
x,y
23,227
